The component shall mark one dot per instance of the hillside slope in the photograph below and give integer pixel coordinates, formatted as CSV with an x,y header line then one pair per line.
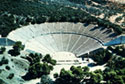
x,y
15,14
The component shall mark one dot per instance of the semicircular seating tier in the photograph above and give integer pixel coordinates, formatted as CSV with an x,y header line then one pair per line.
x,y
77,38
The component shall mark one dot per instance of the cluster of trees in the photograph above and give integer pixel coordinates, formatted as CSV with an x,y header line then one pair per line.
x,y
116,63
95,11
17,47
48,59
37,67
115,71
18,13
108,10
114,57
81,1
114,76
119,50
103,56
82,75
75,75
111,6
9,22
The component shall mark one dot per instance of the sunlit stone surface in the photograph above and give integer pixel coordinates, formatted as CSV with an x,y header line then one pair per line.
x,y
50,38
66,58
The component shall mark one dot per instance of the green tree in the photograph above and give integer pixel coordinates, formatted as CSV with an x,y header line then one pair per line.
x,y
75,75
48,59
113,78
45,79
4,61
17,47
37,68
11,75
95,78
118,19
2,50
102,57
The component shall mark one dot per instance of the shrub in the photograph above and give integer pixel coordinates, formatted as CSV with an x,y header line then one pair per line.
x,y
101,57
4,61
17,47
7,67
45,79
48,59
118,30
118,19
37,70
11,75
2,50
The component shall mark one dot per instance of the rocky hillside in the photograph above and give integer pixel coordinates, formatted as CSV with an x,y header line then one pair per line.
x,y
14,14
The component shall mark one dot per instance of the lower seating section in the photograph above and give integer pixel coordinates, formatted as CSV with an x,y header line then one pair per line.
x,y
62,42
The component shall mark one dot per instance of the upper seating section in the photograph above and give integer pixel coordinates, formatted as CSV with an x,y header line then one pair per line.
x,y
32,31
